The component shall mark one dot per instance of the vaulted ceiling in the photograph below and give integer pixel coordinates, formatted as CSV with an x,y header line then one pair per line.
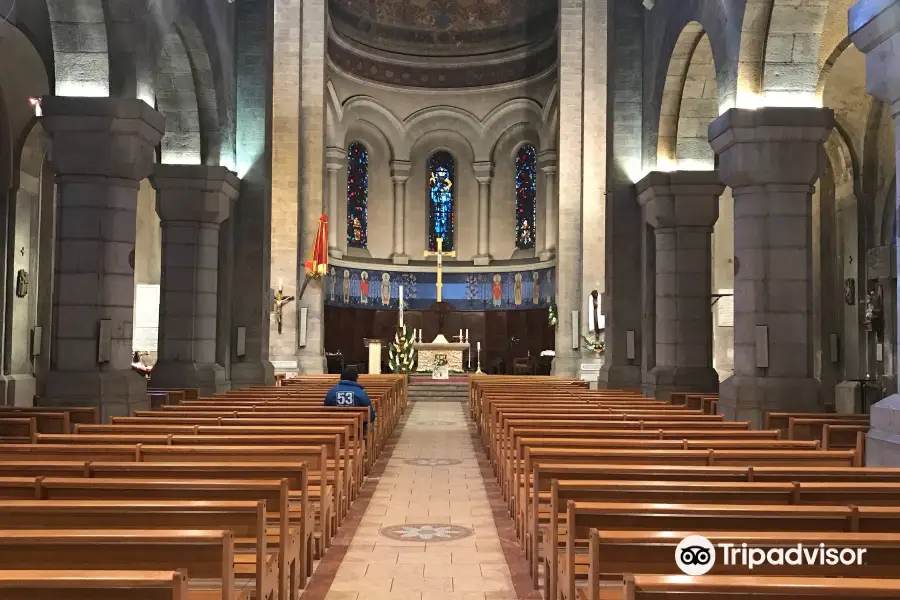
x,y
443,43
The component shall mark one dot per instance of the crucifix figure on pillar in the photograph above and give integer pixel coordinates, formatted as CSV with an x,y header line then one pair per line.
x,y
440,254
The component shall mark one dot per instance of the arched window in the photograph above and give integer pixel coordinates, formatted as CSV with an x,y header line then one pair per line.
x,y
526,196
441,174
357,195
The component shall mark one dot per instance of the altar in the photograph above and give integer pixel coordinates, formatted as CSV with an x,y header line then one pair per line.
x,y
429,351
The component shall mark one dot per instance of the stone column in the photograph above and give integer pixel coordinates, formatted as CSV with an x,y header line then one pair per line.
x,y
875,30
251,221
484,173
102,149
335,161
568,295
548,231
771,158
311,351
192,201
682,208
399,174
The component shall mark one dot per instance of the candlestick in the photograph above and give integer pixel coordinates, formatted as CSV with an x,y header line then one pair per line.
x,y
401,306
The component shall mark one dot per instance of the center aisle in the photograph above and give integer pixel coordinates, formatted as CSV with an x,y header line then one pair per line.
x,y
428,532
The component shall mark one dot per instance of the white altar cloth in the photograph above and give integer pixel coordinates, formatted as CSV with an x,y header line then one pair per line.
x,y
427,351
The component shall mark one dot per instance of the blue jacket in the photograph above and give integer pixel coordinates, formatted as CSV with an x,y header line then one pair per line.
x,y
349,393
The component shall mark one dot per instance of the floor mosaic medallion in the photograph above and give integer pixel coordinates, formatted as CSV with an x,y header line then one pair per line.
x,y
431,462
425,532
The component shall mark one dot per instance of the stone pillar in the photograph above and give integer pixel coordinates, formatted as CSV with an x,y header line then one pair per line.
x,y
252,219
771,158
618,221
682,208
484,173
311,351
548,231
192,201
568,296
102,149
875,30
399,174
335,161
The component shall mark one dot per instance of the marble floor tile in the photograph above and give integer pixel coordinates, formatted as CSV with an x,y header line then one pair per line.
x,y
429,530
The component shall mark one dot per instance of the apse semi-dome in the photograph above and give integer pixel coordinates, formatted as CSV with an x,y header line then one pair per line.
x,y
443,43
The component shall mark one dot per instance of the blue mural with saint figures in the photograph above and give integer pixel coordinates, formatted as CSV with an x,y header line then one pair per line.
x,y
378,289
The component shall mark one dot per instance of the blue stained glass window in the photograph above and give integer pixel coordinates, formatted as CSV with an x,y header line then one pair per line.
x,y
526,196
441,174
357,195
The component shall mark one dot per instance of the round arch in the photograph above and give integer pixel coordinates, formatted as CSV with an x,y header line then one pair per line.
x,y
689,103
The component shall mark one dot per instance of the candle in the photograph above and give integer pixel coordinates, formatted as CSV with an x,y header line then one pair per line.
x,y
280,286
479,346
461,338
467,335
401,309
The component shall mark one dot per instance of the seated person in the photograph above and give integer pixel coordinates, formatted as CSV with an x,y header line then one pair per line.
x,y
349,393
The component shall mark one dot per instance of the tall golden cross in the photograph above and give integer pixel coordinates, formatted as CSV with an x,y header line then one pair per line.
x,y
440,254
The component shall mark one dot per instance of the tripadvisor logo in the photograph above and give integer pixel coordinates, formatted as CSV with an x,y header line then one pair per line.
x,y
696,555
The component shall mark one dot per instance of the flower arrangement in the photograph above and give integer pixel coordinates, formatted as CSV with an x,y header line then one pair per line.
x,y
401,354
593,344
440,360
552,316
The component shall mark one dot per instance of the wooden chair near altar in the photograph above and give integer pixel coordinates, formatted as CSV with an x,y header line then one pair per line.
x,y
523,366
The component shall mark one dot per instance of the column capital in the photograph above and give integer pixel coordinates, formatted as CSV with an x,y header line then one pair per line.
x,y
874,28
680,198
484,171
335,158
547,161
194,193
400,170
771,145
102,137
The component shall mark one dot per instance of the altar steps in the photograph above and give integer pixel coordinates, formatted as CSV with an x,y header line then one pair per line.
x,y
438,392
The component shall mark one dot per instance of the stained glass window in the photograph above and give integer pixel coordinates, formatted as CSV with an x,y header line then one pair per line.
x,y
357,195
441,172
526,196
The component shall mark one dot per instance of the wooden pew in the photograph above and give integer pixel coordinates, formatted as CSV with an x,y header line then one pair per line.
x,y
782,420
813,429
18,430
94,585
351,448
530,448
75,414
207,555
536,501
707,587
583,516
294,559
614,553
314,458
338,459
245,520
843,437
45,421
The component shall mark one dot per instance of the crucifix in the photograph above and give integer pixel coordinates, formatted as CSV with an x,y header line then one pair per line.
x,y
440,254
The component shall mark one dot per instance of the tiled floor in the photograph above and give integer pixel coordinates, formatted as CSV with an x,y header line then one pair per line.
x,y
428,532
